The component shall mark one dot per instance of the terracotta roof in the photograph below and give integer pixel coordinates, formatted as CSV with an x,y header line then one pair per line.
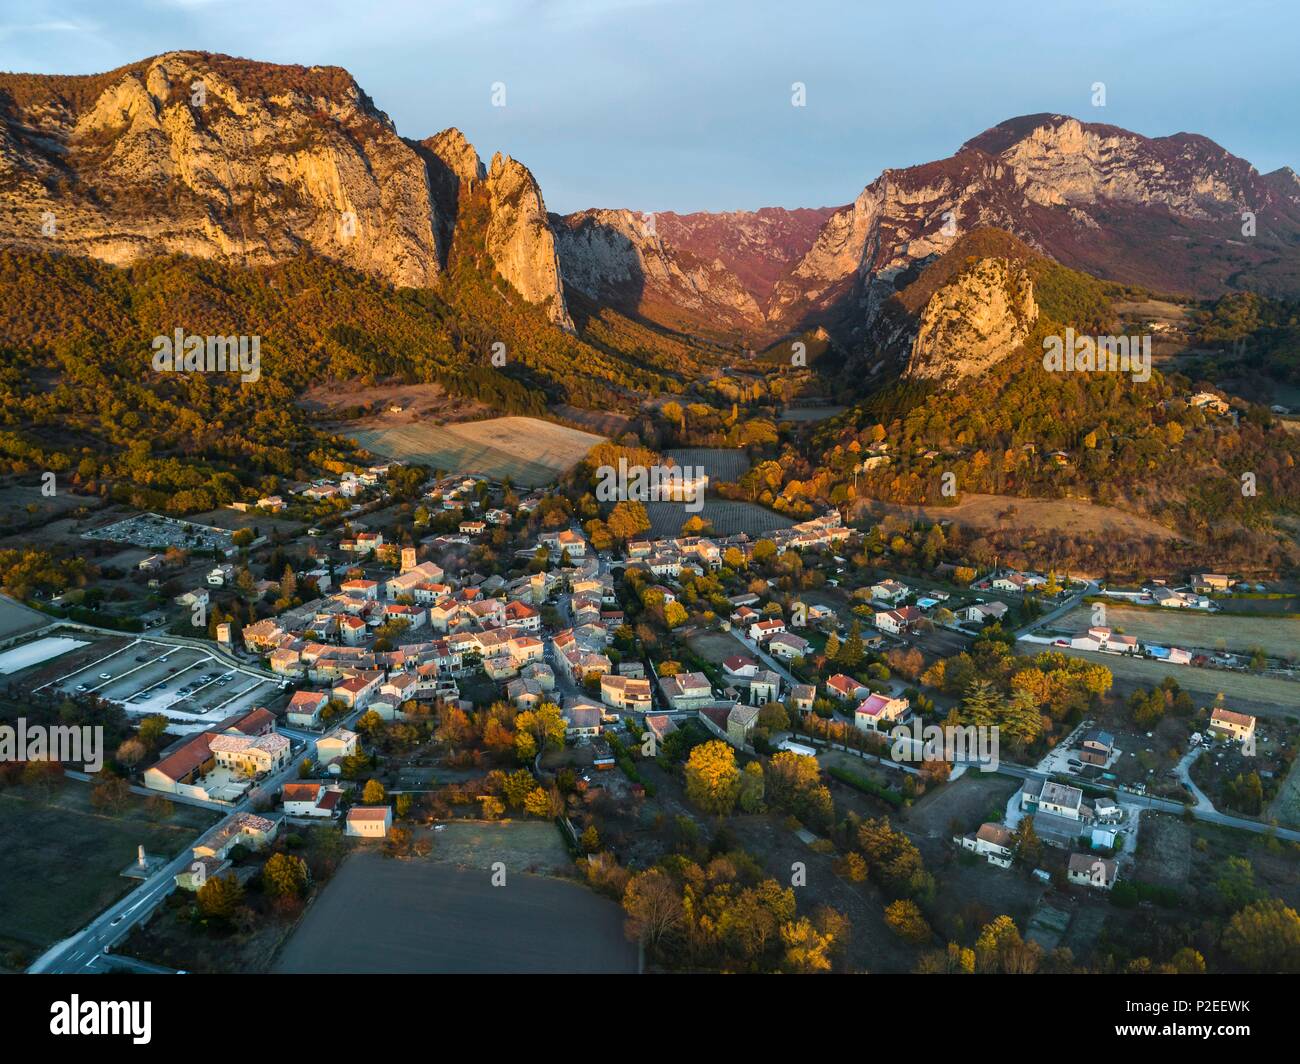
x,y
185,760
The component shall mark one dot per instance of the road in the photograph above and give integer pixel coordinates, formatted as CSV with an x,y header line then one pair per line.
x,y
81,952
1091,588
1209,816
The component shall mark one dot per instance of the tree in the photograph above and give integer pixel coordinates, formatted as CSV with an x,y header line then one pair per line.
x,y
285,875
1265,937
111,792
538,803
517,786
851,653
220,896
712,778
373,793
152,730
653,905
751,788
1026,844
905,920
590,840
807,950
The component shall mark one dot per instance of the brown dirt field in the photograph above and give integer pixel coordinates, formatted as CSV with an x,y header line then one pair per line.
x,y
601,422
418,402
1065,515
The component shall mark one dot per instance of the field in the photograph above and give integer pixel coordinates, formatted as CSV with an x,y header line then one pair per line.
x,y
720,463
60,858
15,618
811,413
1064,515
424,916
727,516
1245,691
527,451
1194,629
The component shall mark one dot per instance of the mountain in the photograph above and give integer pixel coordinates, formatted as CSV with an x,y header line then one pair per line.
x,y
253,164
1164,213
256,164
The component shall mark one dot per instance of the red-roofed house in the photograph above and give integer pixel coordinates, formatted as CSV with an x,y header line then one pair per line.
x,y
878,711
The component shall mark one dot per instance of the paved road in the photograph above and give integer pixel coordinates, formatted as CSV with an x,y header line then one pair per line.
x,y
1092,588
1209,816
80,952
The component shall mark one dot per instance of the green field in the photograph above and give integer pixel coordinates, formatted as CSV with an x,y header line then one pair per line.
x,y
61,859
527,451
1195,629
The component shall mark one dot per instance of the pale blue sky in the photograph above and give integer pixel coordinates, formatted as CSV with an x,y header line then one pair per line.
x,y
675,105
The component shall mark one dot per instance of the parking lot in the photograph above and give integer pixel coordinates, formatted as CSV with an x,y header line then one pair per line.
x,y
155,532
182,683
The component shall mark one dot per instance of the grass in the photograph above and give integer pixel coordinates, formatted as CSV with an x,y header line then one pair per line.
x,y
61,859
1194,628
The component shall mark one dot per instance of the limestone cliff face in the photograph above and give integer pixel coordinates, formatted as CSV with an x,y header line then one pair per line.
x,y
619,257
520,240
1092,196
218,158
973,322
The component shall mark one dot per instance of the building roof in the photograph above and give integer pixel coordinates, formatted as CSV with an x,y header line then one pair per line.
x,y
1228,716
369,812
997,834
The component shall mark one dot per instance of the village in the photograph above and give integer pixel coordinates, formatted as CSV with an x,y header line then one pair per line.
x,y
329,699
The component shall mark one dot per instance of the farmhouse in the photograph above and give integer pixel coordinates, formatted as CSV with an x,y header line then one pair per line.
x,y
1054,798
686,690
1096,747
1090,871
844,688
305,708
624,692
983,611
897,621
993,842
309,799
1238,726
787,646
740,667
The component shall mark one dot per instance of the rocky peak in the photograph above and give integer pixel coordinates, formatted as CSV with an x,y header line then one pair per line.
x,y
216,157
457,154
519,237
973,322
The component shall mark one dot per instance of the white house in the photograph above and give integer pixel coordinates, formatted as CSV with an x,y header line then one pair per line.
x,y
369,822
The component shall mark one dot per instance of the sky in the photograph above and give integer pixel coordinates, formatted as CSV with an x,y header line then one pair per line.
x,y
662,105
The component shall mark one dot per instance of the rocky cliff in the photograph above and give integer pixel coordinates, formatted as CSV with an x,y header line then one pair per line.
x,y
253,163
520,240
973,322
1092,196
213,157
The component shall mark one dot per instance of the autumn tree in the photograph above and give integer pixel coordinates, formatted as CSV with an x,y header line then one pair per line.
x,y
712,778
219,897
